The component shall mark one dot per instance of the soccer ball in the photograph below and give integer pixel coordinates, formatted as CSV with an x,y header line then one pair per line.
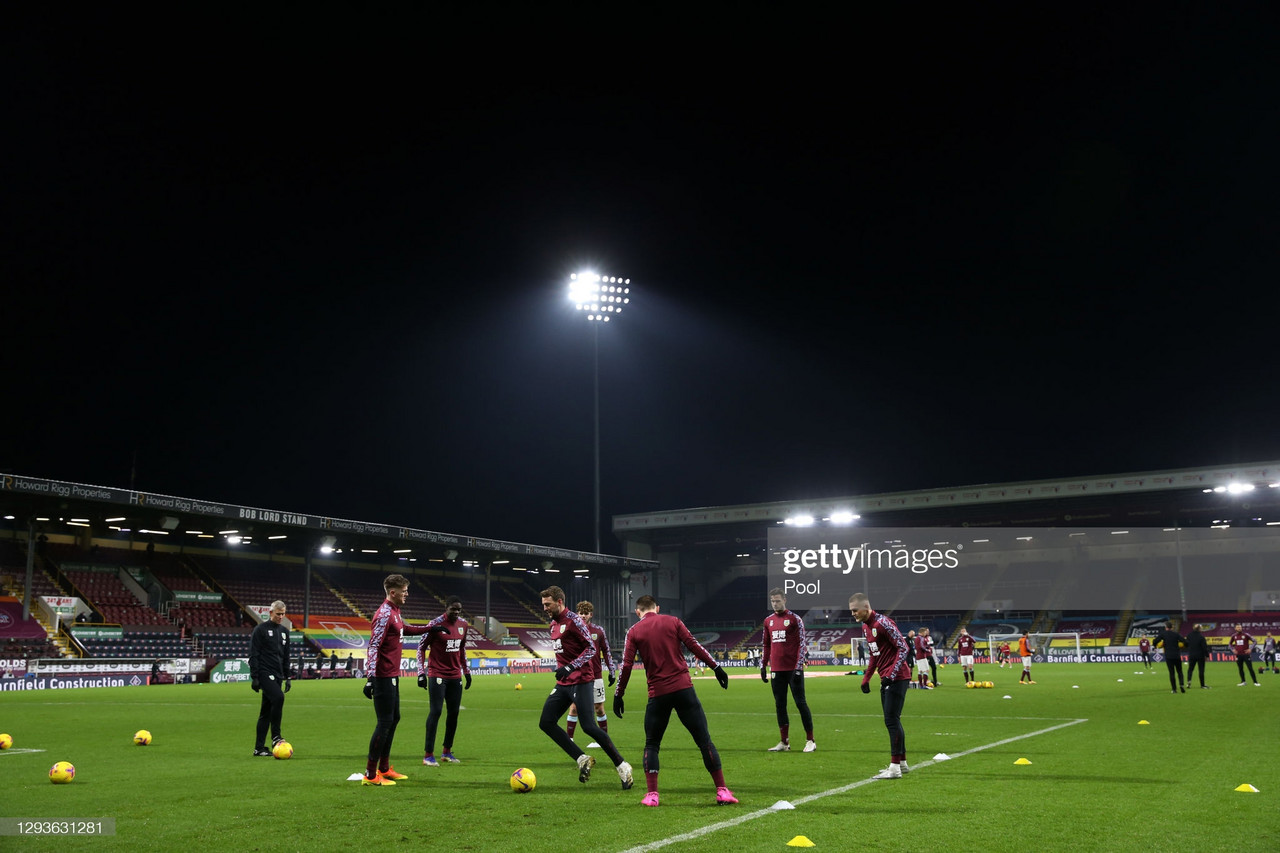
x,y
519,686
523,781
282,750
5,741
971,684
988,684
142,737
62,773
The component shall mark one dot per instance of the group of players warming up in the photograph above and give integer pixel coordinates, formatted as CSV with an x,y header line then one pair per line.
x,y
582,653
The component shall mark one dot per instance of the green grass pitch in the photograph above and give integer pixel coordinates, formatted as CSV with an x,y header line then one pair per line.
x,y
1104,784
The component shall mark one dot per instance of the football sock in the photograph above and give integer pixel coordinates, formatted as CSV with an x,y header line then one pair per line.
x,y
603,722
784,731
573,724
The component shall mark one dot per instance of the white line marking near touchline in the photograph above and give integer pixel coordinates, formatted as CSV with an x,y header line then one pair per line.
x,y
726,824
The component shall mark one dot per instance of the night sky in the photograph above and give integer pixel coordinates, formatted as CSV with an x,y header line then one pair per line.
x,y
317,260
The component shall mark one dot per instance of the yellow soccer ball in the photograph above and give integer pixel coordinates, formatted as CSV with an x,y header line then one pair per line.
x,y
988,684
282,750
971,684
142,737
523,781
519,686
5,741
62,773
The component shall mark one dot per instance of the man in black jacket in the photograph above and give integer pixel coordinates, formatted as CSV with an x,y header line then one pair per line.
x,y
1171,641
269,674
1197,653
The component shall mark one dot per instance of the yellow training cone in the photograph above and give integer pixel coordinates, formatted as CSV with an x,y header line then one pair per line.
x,y
1022,761
1246,788
1143,723
799,841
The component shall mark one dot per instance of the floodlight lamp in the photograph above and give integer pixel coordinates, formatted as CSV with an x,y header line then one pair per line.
x,y
327,543
800,521
1239,488
844,517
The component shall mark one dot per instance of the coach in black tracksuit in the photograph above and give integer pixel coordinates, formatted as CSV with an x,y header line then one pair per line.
x,y
269,674
1171,641
1197,653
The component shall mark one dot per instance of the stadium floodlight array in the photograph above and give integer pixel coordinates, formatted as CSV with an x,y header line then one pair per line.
x,y
601,297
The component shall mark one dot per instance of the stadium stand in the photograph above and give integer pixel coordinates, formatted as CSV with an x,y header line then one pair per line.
x,y
107,594
720,643
1094,630
363,593
511,600
224,642
259,582
743,599
139,641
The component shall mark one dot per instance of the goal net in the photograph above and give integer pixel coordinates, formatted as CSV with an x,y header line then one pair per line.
x,y
1040,643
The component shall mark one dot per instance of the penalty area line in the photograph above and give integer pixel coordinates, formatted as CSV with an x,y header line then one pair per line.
x,y
740,819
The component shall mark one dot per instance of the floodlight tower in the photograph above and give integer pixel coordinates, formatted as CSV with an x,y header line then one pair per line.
x,y
601,299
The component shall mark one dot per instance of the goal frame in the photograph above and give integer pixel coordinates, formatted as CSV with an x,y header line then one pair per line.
x,y
1042,640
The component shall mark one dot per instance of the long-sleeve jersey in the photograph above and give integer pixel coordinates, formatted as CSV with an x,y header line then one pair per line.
x,y
922,648
603,653
785,643
269,651
448,649
571,641
658,639
384,641
889,652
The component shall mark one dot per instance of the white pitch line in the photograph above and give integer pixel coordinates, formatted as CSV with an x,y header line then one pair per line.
x,y
726,824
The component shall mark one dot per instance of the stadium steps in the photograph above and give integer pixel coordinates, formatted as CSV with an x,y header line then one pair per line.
x,y
955,633
1123,624
539,615
324,582
431,592
208,580
59,639
742,644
